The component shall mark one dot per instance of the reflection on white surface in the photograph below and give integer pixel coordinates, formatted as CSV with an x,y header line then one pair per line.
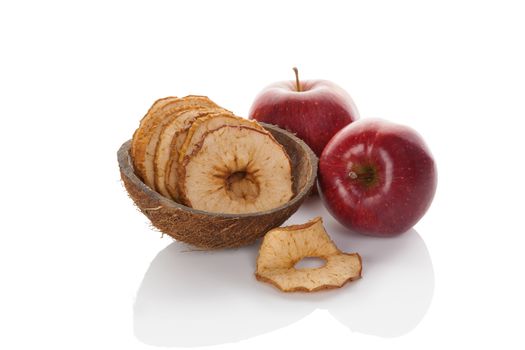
x,y
196,298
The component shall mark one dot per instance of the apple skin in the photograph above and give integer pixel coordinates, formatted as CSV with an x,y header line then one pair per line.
x,y
314,114
377,178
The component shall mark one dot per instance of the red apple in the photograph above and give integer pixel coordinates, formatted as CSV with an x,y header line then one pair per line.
x,y
314,109
377,177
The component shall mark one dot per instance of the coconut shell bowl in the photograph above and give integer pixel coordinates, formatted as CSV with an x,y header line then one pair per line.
x,y
207,230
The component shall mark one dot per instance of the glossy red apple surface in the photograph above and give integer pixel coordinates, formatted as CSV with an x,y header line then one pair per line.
x,y
377,177
314,109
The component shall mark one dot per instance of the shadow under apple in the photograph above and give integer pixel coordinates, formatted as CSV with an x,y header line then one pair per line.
x,y
196,298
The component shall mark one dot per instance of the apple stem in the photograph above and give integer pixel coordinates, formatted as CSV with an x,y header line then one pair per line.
x,y
353,175
297,83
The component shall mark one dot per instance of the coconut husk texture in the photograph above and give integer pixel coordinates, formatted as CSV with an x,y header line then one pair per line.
x,y
207,230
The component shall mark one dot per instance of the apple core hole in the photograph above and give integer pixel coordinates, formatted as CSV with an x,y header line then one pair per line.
x,y
242,185
310,262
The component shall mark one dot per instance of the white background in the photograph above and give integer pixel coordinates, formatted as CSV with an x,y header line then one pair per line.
x,y
75,78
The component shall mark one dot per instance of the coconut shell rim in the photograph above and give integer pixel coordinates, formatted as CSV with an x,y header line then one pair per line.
x,y
126,166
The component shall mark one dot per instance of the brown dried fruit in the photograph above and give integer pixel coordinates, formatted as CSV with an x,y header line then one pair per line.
x,y
178,141
171,177
182,121
203,125
147,135
283,247
139,134
236,169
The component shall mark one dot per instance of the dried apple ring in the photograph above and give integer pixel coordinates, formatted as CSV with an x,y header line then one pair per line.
x,y
180,139
236,170
283,247
165,145
212,122
146,138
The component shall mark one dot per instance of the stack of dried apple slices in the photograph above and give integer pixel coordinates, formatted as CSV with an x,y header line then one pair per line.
x,y
199,154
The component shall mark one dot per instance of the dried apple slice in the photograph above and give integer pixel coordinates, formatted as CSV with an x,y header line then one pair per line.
x,y
283,247
184,142
171,176
164,146
148,136
203,125
163,116
235,170
139,133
